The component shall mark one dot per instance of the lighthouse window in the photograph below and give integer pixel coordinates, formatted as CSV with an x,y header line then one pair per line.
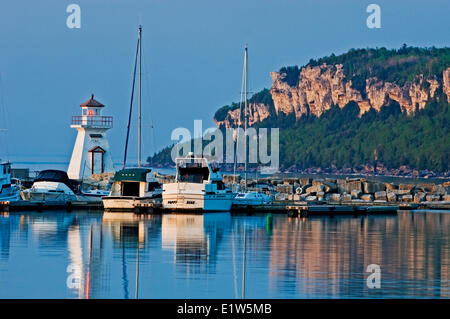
x,y
95,135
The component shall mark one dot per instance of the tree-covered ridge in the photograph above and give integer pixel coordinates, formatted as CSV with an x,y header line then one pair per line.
x,y
340,138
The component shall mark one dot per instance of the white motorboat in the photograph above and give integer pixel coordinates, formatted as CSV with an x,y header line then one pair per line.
x,y
55,186
8,191
132,187
251,199
197,186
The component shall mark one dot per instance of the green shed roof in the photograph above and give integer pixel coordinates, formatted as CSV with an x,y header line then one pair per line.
x,y
132,174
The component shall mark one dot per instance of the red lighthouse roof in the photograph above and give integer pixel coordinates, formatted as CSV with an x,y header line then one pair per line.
x,y
92,103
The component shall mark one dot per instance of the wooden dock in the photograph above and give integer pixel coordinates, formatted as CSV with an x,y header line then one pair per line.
x,y
334,210
23,205
292,208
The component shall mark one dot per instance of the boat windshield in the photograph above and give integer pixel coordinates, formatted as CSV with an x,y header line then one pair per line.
x,y
152,186
52,175
193,174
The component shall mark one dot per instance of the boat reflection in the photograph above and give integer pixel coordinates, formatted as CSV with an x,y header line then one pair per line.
x,y
193,238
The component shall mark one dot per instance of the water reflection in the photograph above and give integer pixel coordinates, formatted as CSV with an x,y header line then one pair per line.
x,y
201,256
194,239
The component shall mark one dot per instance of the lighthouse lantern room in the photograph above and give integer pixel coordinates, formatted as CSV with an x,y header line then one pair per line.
x,y
91,153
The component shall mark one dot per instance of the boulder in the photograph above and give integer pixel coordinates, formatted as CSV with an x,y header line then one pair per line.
x,y
346,186
334,197
381,195
408,187
446,184
419,197
373,187
390,186
391,197
433,198
282,188
400,191
356,193
446,197
315,188
327,186
426,188
407,198
439,190
367,197
346,197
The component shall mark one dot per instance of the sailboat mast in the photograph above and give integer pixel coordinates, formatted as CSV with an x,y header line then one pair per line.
x,y
140,76
245,118
131,107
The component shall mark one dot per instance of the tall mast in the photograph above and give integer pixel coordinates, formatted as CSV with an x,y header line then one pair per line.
x,y
245,117
140,75
131,107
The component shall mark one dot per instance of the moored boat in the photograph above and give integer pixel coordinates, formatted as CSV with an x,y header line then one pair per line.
x,y
131,188
251,199
56,186
197,186
8,191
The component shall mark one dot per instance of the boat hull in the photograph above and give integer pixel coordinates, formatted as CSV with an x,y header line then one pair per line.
x,y
198,202
126,203
10,194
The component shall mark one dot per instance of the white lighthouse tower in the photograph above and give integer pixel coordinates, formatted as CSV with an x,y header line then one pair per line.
x,y
91,153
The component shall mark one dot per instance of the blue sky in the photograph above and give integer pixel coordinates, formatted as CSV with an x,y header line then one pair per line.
x,y
193,52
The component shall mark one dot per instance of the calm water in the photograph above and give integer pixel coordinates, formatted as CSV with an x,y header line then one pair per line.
x,y
201,256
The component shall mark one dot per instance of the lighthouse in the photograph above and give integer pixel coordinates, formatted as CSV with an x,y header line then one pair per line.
x,y
91,154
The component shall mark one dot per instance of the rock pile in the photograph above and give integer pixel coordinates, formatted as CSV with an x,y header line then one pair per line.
x,y
360,190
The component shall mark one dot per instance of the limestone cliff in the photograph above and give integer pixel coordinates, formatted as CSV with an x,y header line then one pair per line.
x,y
320,87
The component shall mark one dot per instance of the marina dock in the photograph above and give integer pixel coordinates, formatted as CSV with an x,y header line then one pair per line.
x,y
292,208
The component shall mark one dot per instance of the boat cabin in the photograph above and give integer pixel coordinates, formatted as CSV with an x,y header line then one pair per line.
x,y
135,182
5,175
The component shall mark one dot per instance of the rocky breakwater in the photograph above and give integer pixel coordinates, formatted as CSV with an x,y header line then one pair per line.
x,y
360,190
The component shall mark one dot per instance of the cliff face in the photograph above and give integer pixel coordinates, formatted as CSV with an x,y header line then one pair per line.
x,y
257,112
320,87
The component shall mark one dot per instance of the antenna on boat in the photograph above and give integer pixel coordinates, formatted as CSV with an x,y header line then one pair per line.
x,y
140,75
131,105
